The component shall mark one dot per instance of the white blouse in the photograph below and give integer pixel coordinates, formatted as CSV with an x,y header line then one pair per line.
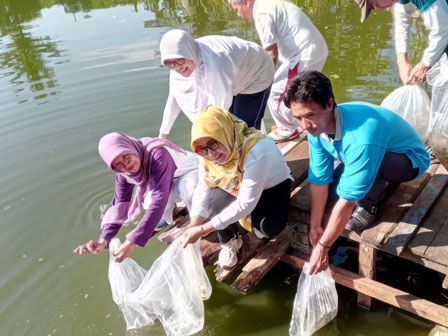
x,y
264,168
230,66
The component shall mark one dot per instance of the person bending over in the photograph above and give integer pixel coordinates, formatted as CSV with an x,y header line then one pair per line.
x,y
225,71
162,174
244,183
376,148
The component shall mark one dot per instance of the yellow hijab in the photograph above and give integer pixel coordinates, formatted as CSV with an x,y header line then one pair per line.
x,y
236,137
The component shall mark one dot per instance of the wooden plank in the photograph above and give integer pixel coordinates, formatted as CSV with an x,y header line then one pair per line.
x,y
301,199
396,206
298,161
259,265
367,268
399,238
251,244
380,291
286,147
432,224
210,248
438,250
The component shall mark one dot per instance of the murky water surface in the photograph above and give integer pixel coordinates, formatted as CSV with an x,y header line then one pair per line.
x,y
74,70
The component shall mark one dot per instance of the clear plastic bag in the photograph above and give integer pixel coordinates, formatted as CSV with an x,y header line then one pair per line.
x,y
171,292
315,304
437,77
412,104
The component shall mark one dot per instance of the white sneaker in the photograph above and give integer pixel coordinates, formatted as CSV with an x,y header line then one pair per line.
x,y
282,135
228,257
259,234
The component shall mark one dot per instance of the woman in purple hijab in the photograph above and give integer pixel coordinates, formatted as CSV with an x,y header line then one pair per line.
x,y
162,173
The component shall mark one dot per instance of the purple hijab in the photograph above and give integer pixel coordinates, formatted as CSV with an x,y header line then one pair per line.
x,y
114,144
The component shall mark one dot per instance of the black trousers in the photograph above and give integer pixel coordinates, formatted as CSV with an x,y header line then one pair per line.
x,y
250,107
394,169
269,216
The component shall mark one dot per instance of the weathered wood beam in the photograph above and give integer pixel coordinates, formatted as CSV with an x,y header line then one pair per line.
x,y
264,260
367,268
251,244
400,237
380,291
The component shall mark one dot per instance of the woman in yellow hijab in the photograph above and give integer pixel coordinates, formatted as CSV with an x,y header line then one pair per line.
x,y
244,183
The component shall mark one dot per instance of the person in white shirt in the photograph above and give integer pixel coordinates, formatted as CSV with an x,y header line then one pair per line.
x,y
288,35
435,17
243,185
215,70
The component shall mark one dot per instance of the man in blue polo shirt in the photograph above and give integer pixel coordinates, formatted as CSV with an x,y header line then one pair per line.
x,y
435,17
376,147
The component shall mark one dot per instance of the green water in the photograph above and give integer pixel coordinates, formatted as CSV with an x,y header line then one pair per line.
x,y
72,71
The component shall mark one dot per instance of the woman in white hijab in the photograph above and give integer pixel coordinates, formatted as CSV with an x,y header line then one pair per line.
x,y
228,72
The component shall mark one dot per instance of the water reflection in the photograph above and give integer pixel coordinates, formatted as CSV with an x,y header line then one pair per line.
x,y
96,65
23,56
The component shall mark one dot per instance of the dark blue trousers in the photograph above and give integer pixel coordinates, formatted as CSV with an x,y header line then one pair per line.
x,y
250,107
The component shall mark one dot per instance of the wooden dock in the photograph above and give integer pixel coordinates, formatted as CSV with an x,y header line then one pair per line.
x,y
413,225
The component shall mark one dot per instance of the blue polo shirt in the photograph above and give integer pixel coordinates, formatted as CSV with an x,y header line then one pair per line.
x,y
422,5
364,133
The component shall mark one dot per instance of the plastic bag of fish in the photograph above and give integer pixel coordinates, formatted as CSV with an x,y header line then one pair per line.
x,y
172,291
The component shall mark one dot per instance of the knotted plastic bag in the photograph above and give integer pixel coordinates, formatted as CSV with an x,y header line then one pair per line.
x,y
315,304
171,292
437,77
412,104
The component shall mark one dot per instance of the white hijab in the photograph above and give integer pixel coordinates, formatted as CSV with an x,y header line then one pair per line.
x,y
189,91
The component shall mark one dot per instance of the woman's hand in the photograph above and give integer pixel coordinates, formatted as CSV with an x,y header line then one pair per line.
x,y
162,136
318,259
418,73
191,235
92,247
315,234
405,68
124,251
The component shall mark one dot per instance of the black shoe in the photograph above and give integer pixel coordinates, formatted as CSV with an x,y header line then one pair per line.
x,y
361,218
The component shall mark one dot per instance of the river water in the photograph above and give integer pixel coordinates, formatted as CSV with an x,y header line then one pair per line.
x,y
74,70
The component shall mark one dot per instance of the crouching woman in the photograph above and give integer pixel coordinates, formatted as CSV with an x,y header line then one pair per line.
x,y
243,183
162,173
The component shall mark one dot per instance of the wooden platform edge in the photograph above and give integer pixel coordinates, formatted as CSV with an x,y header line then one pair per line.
x,y
412,219
262,263
395,297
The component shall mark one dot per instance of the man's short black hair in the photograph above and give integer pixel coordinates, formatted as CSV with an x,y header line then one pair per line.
x,y
309,86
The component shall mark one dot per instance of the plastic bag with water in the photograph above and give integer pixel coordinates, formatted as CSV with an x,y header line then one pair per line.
x,y
412,104
437,77
172,291
315,304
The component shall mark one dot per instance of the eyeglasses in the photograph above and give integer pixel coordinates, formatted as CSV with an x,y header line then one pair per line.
x,y
211,145
172,64
121,162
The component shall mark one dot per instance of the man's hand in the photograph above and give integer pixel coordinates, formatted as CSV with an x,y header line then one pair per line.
x,y
315,234
418,73
162,136
318,259
191,235
124,251
92,247
404,68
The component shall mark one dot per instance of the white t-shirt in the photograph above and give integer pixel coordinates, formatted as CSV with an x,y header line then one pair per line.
x,y
184,162
436,21
264,168
288,26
